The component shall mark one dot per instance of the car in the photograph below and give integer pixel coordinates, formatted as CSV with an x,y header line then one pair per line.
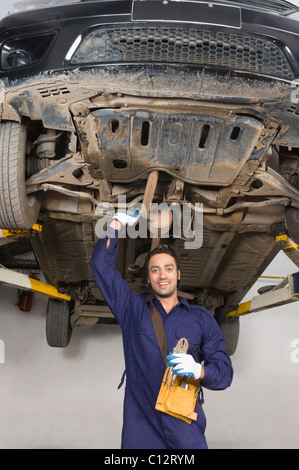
x,y
183,105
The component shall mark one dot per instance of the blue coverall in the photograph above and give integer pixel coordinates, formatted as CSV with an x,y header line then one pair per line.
x,y
143,426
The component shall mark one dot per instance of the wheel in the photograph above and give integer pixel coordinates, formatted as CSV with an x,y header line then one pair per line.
x,y
292,214
230,328
17,210
58,327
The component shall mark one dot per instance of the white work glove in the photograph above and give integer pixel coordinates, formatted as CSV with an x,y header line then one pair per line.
x,y
127,218
184,364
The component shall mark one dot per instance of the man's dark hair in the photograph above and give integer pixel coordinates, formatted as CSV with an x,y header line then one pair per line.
x,y
160,249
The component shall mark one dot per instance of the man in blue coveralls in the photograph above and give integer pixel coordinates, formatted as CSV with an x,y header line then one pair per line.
x,y
144,427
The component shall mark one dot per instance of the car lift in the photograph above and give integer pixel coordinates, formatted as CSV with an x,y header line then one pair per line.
x,y
20,280
287,291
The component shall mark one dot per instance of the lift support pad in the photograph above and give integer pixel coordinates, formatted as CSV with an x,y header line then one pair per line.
x,y
8,236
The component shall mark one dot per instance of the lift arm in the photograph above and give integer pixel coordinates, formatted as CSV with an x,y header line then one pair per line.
x,y
20,280
287,291
24,282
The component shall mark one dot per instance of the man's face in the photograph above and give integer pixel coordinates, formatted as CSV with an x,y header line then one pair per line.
x,y
163,274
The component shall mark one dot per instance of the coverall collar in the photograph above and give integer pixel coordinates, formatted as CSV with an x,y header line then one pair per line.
x,y
182,302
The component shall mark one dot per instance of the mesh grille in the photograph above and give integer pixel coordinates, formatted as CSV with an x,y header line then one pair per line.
x,y
235,51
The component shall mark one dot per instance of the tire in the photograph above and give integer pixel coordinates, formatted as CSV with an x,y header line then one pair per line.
x,y
58,327
17,211
230,328
292,215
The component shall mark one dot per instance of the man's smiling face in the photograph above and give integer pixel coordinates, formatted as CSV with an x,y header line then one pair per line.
x,y
163,274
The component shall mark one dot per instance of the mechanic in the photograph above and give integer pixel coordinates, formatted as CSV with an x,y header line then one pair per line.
x,y
143,426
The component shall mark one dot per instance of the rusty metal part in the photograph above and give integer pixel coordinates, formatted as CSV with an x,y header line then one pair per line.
x,y
147,200
149,193
127,144
159,219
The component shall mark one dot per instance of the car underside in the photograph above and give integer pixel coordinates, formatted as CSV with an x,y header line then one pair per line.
x,y
154,132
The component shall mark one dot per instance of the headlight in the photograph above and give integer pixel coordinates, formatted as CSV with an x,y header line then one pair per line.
x,y
26,5
24,51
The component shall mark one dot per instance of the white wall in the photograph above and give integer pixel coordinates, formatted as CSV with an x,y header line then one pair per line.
x,y
52,398
261,408
57,398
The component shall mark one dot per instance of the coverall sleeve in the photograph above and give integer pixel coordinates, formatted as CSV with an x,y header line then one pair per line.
x,y
217,363
113,287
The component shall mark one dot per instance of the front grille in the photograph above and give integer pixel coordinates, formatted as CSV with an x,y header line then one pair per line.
x,y
183,45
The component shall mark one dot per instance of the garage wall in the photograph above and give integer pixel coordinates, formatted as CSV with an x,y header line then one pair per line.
x,y
52,398
57,398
